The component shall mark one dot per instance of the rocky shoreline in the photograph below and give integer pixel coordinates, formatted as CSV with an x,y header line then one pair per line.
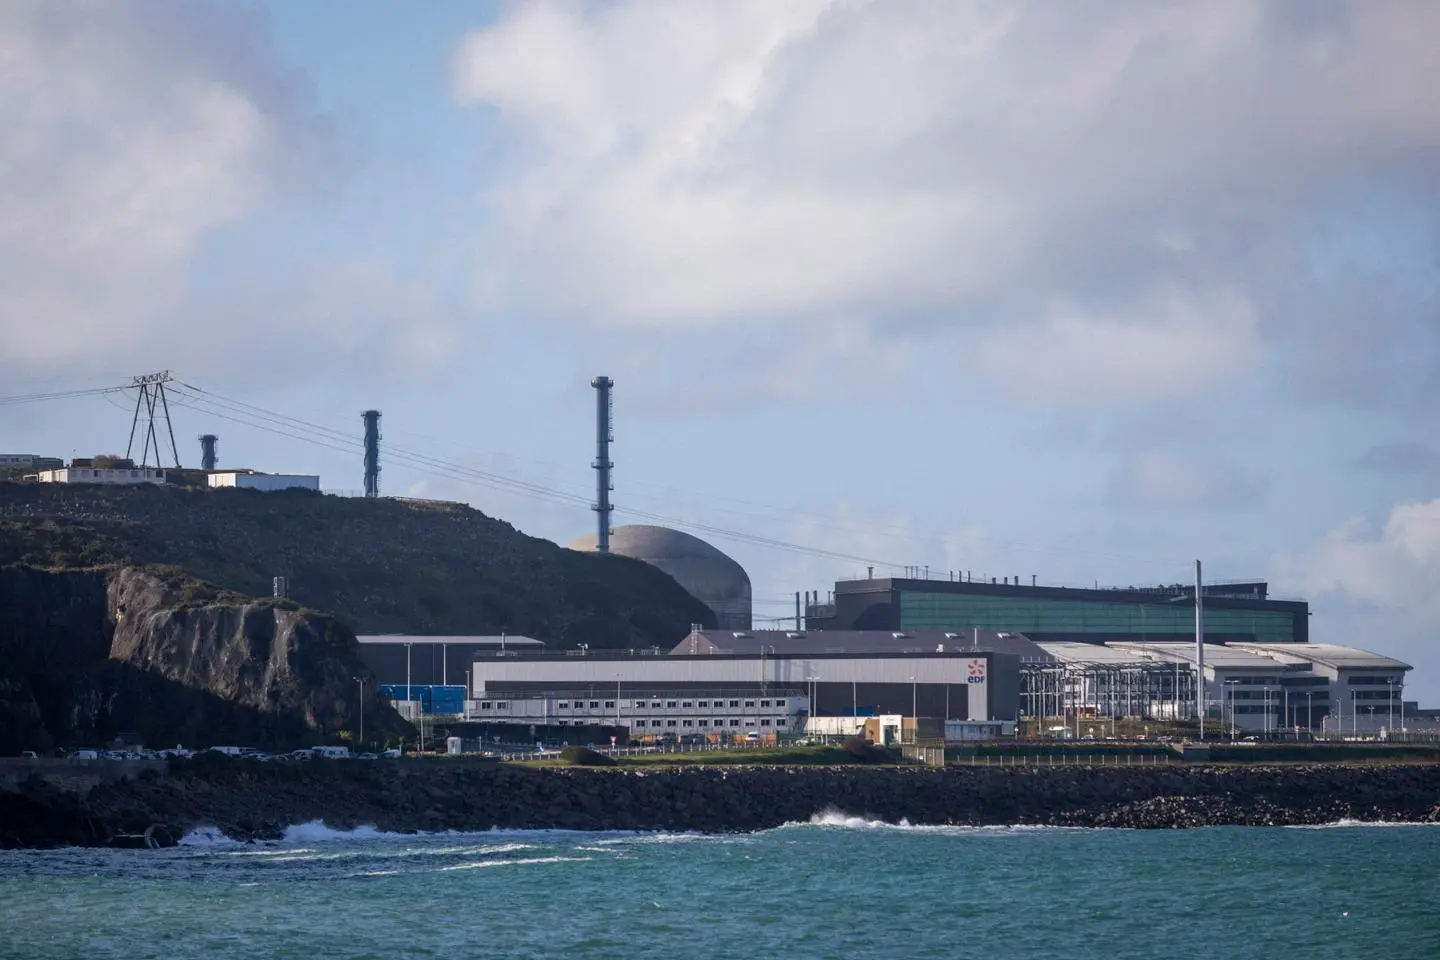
x,y
253,801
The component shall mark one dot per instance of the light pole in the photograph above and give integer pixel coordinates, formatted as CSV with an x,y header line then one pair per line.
x,y
1310,713
813,682
361,681
1230,685
1391,684
914,699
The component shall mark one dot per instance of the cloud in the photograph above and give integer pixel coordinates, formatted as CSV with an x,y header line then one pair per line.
x,y
1378,586
1173,346
1403,457
1174,478
1133,182
132,132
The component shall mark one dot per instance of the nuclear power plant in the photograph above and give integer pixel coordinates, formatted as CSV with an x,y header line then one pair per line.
x,y
706,574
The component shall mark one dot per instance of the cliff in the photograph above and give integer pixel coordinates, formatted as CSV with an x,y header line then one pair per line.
x,y
87,655
252,800
381,566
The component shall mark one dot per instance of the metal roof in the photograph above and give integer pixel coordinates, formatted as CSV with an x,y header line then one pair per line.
x,y
1216,654
1075,652
793,642
506,640
1329,654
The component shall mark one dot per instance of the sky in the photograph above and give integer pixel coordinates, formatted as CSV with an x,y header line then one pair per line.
x,y
1081,291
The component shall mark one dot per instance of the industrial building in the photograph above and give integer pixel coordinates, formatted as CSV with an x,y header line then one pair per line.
x,y
750,682
1252,688
28,461
1234,613
707,574
254,480
107,472
428,660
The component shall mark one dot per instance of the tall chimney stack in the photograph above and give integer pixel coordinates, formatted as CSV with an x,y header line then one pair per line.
x,y
604,434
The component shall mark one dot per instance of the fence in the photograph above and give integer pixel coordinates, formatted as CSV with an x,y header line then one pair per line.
x,y
1069,760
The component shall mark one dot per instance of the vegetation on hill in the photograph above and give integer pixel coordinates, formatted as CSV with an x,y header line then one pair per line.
x,y
381,566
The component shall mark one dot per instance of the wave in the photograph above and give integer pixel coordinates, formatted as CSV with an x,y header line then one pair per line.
x,y
1346,824
514,863
833,818
206,837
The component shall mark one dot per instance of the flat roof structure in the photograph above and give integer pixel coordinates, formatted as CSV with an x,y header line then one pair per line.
x,y
854,642
1331,655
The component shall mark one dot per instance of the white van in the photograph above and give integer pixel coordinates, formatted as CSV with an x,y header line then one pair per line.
x,y
228,751
331,753
85,755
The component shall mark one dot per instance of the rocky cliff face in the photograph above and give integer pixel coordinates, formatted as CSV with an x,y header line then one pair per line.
x,y
90,654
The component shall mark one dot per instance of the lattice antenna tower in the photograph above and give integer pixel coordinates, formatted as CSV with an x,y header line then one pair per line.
x,y
604,436
372,453
151,403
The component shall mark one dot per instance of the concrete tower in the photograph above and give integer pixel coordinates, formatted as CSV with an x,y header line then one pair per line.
x,y
207,451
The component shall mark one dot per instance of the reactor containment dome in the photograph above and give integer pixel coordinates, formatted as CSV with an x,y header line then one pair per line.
x,y
706,574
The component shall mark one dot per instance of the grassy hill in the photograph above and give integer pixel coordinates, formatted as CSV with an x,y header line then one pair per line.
x,y
381,566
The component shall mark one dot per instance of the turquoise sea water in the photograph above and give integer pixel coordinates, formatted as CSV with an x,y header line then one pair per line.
x,y
837,887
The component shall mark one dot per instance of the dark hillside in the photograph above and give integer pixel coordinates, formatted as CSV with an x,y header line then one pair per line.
x,y
380,566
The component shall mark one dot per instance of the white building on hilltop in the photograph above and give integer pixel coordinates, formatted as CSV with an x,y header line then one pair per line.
x,y
269,482
110,475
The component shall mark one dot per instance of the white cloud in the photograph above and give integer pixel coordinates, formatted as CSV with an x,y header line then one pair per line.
x,y
953,166
132,131
1170,346
1379,587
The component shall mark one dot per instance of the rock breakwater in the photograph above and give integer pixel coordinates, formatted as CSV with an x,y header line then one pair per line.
x,y
253,801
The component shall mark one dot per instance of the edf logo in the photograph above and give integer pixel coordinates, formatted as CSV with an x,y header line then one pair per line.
x,y
977,672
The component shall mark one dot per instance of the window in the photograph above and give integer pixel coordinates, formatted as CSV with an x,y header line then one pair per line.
x,y
749,703
655,705
609,704
639,704
764,723
688,723
669,723
780,704
764,703
502,704
564,706
704,723
687,704
704,704
780,722
594,704
734,703
670,704
484,704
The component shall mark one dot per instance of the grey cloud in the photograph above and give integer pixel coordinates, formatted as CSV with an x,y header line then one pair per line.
x,y
133,131
1398,458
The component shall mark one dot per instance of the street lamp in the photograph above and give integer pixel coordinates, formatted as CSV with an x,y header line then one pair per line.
x,y
914,699
1230,685
1391,684
1310,713
361,681
813,682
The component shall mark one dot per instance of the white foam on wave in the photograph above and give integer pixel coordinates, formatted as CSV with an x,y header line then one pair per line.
x,y
1346,824
480,864
206,837
840,820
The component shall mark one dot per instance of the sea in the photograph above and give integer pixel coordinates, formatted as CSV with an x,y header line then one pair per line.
x,y
838,886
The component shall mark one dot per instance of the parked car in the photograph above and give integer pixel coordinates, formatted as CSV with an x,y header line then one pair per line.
x,y
28,755
85,755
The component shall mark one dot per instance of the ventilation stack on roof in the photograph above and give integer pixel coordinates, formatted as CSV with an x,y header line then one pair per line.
x,y
604,436
208,443
372,452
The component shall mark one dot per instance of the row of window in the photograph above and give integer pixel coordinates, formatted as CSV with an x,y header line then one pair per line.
x,y
1370,681
718,722
669,704
940,611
